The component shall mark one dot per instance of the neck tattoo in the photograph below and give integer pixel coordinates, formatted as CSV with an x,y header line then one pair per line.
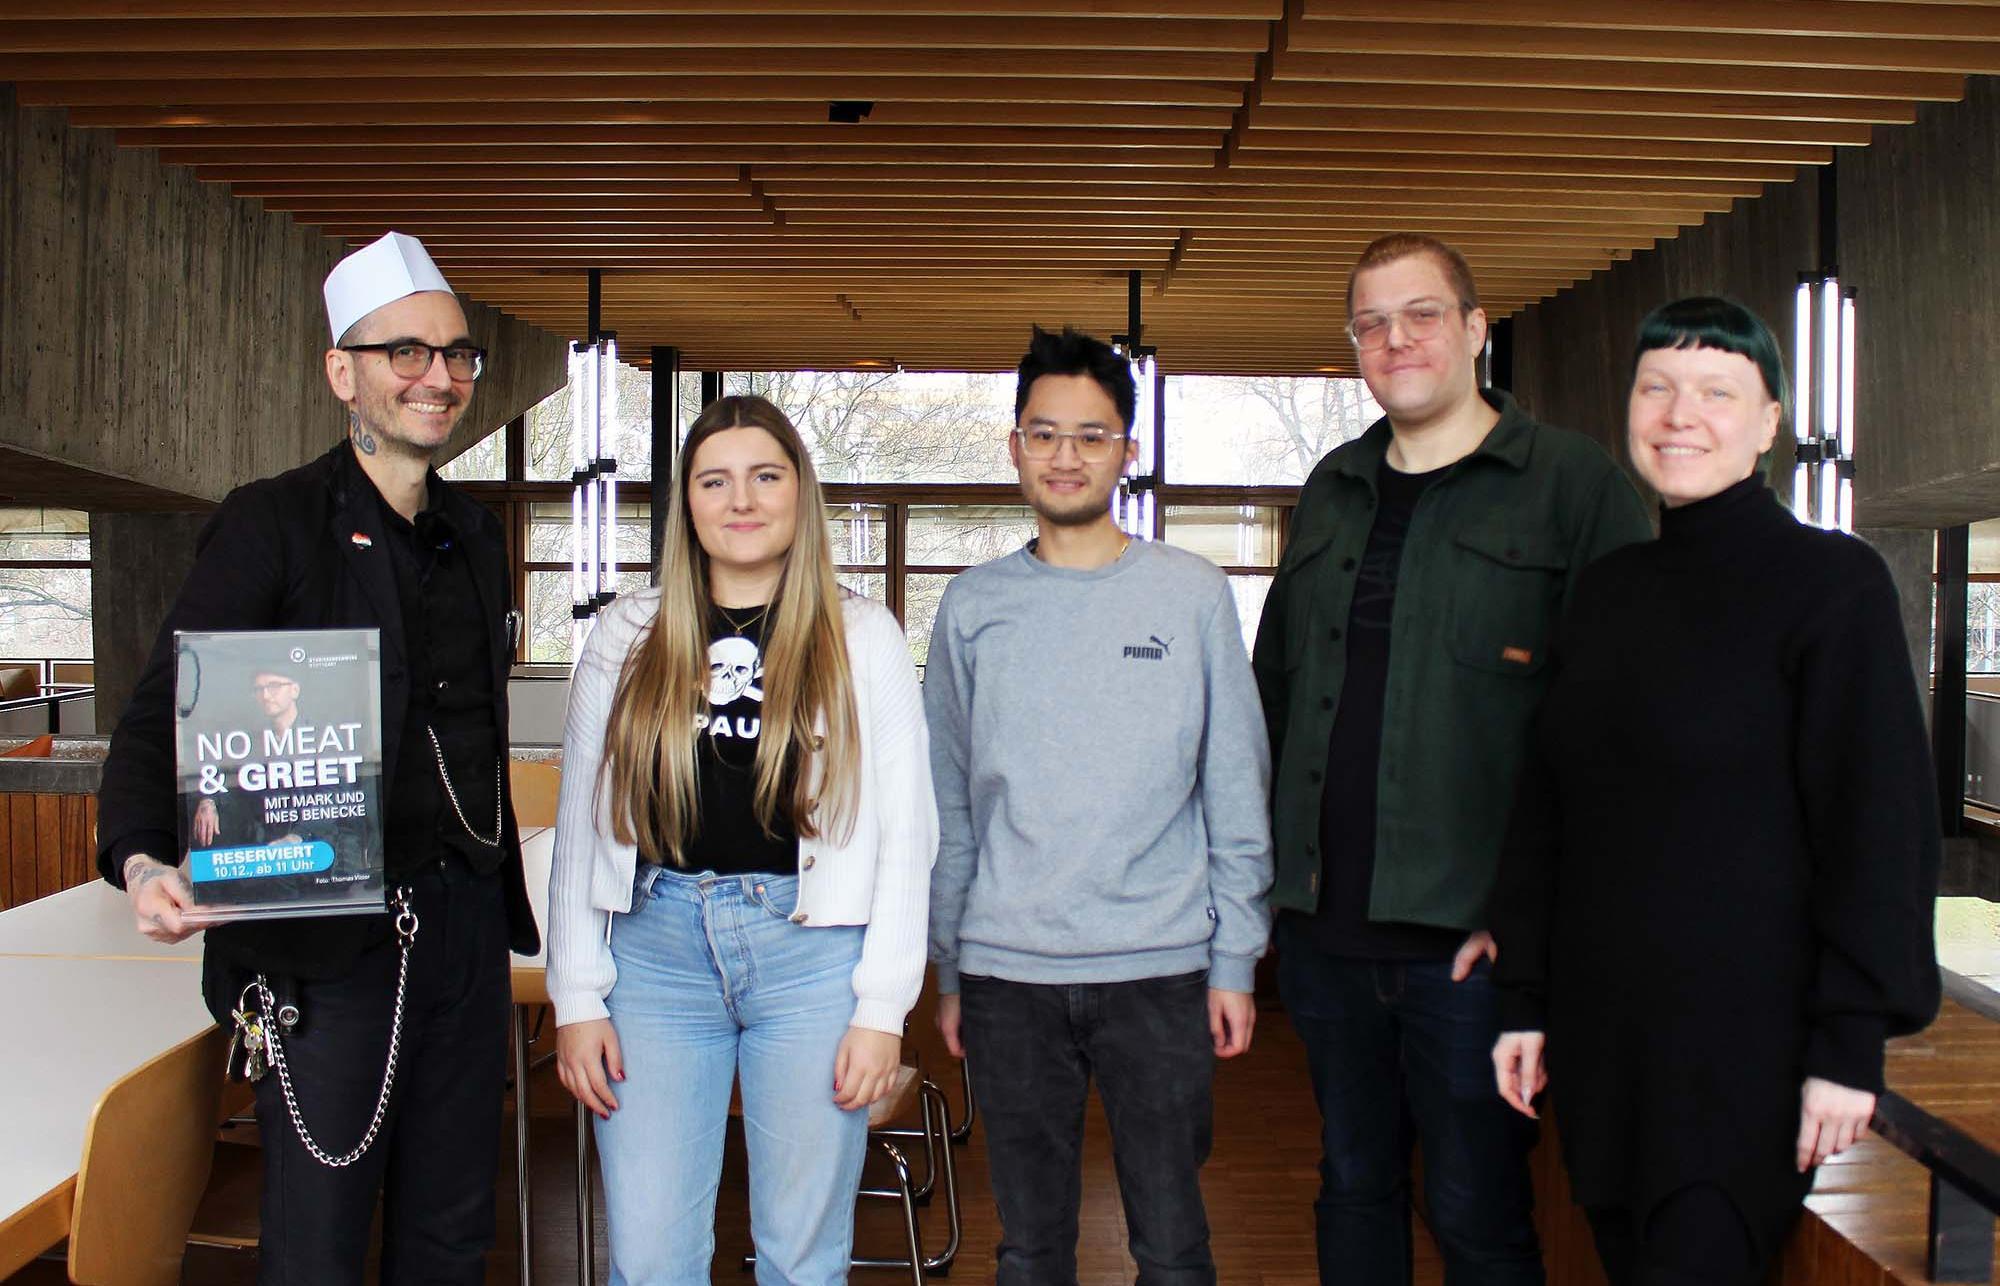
x,y
364,441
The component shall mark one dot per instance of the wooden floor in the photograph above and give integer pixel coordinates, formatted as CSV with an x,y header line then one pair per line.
x,y
1869,1205
1876,1198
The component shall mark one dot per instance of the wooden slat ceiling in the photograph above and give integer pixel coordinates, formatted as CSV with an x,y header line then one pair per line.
x,y
1021,156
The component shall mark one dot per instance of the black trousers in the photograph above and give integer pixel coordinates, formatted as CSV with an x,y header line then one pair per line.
x,y
1033,1049
434,1163
1695,1236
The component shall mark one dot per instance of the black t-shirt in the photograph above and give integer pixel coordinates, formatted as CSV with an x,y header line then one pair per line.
x,y
727,836
1347,805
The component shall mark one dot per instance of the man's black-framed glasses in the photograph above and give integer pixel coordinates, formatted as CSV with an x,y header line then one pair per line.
x,y
411,358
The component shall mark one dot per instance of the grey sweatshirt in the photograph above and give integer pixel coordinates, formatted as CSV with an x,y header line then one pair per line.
x,y
1102,771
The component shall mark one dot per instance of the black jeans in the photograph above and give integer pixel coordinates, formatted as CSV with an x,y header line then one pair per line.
x,y
435,1161
1033,1049
1397,1047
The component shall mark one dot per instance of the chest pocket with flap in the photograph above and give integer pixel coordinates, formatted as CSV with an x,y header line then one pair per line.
x,y
1506,590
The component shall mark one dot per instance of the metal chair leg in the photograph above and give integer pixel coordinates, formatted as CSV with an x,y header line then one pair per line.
x,y
586,1240
521,1167
915,1263
963,1130
923,1191
935,1108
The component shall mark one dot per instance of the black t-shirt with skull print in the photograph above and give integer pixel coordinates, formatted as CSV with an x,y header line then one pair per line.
x,y
728,839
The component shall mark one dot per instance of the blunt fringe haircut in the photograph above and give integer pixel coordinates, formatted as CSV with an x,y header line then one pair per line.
x,y
1074,353
808,764
1707,321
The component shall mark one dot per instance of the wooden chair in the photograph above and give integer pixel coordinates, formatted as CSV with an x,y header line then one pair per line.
x,y
147,1159
534,787
19,681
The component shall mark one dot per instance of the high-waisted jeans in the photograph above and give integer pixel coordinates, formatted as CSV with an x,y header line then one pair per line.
x,y
715,982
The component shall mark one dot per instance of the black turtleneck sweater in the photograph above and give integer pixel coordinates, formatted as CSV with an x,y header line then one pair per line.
x,y
1721,870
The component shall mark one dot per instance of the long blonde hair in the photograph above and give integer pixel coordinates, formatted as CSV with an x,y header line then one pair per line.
x,y
810,732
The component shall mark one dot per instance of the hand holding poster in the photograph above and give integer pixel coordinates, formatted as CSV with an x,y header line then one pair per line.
x,y
278,741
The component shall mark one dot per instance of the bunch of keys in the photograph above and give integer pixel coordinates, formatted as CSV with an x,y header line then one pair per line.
x,y
247,1042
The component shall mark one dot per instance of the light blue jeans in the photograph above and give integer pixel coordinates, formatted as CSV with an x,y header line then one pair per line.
x,y
714,982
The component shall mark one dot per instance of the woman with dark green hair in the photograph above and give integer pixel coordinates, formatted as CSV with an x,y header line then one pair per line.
x,y
1715,902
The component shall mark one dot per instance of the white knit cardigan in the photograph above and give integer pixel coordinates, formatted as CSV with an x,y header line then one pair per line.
x,y
880,875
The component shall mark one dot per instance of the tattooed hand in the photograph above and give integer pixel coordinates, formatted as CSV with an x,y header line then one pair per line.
x,y
160,896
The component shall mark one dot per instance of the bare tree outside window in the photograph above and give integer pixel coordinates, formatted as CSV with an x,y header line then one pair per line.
x,y
45,584
884,426
551,426
1259,430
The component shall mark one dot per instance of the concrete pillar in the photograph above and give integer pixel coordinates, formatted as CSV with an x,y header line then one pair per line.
x,y
137,564
1910,554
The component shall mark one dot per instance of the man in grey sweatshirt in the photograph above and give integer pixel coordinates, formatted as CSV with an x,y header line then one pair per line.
x,y
1098,904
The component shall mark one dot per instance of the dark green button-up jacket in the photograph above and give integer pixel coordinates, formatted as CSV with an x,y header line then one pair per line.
x,y
1492,553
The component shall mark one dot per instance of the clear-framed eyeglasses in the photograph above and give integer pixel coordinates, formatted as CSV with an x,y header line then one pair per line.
x,y
1420,321
1093,446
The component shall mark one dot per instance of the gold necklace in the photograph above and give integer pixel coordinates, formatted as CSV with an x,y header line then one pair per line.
x,y
742,626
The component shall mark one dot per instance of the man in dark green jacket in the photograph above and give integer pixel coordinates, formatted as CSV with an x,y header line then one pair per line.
x,y
1403,649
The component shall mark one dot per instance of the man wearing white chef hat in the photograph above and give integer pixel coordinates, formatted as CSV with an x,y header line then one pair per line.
x,y
367,536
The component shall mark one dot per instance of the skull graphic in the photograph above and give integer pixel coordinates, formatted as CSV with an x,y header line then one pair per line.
x,y
734,670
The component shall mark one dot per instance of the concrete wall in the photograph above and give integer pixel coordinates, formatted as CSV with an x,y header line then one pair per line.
x,y
161,342
157,330
137,564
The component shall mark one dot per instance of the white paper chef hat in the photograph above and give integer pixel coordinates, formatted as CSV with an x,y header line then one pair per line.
x,y
379,273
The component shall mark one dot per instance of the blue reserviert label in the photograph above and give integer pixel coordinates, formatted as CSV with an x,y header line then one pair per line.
x,y
258,861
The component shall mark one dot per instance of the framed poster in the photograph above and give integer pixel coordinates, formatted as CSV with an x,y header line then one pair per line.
x,y
278,748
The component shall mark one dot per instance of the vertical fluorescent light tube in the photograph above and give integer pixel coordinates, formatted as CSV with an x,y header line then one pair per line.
x,y
1846,523
1802,403
607,461
1801,485
1829,363
592,427
1139,510
576,430
1847,320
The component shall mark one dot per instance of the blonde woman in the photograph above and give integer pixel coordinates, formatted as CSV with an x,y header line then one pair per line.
x,y
743,849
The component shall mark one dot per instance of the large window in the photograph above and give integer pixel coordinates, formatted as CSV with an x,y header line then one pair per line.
x,y
1261,430
918,484
44,584
547,454
888,426
483,461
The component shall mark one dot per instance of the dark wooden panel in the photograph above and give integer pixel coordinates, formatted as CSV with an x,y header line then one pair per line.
x,y
1573,352
21,872
1920,239
48,845
45,845
78,815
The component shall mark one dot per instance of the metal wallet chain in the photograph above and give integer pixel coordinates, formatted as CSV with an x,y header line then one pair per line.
x,y
444,775
406,934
